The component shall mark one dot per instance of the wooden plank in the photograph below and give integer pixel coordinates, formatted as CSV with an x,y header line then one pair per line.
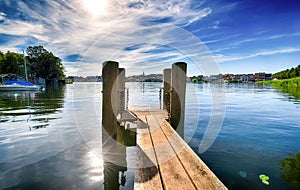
x,y
176,166
147,173
172,172
200,174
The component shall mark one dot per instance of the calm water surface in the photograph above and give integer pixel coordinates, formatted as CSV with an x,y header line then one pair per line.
x,y
261,127
53,139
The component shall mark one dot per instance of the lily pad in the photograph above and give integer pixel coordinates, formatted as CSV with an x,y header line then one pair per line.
x,y
264,179
265,182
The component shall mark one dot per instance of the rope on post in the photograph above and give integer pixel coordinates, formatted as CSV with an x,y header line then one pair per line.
x,y
127,98
160,92
122,96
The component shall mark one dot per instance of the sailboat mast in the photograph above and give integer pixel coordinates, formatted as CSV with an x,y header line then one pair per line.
x,y
26,78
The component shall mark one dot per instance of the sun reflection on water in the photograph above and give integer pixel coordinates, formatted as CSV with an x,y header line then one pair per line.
x,y
95,166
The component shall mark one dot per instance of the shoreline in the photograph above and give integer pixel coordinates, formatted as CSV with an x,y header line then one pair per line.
x,y
293,82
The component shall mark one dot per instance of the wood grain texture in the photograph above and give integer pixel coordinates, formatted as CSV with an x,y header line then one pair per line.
x,y
165,161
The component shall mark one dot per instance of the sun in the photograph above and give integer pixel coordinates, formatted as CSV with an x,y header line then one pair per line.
x,y
95,7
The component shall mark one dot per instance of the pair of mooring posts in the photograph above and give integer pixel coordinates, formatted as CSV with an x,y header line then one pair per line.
x,y
174,85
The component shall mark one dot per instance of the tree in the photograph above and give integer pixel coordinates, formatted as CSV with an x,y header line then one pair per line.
x,y
35,51
1,60
43,63
11,63
288,73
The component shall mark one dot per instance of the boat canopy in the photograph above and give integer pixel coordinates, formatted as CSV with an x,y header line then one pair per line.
x,y
23,83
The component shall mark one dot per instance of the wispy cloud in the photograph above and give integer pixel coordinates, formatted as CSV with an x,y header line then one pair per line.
x,y
19,28
235,43
2,16
96,31
70,27
222,58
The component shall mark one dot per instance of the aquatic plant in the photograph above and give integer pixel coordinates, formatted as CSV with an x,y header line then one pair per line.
x,y
291,170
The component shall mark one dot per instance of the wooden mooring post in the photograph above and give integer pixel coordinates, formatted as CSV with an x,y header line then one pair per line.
x,y
166,89
164,160
114,138
121,89
111,99
174,85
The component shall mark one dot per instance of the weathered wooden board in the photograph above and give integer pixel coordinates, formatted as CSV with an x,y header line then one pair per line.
x,y
165,161
201,175
147,174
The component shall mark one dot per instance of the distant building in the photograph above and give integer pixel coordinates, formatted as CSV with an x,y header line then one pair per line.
x,y
215,77
228,76
238,77
205,78
143,78
200,77
246,77
262,76
85,79
268,76
250,77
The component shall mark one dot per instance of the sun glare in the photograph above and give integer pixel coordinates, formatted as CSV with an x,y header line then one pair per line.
x,y
95,7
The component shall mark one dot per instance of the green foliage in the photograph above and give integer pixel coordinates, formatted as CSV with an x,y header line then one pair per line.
x,y
288,73
40,63
69,81
43,63
292,91
291,170
11,62
290,86
294,82
234,80
194,80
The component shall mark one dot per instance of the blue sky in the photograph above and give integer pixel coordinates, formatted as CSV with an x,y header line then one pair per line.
x,y
227,36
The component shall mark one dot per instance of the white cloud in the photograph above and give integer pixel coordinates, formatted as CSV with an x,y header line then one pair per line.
x,y
221,58
236,41
2,16
71,27
19,28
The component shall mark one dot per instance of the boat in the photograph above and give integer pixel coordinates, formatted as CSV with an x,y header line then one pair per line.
x,y
17,85
12,85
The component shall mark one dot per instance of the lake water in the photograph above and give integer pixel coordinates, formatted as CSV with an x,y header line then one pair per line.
x,y
53,139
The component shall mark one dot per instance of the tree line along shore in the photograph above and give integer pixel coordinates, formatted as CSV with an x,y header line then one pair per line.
x,y
39,63
285,78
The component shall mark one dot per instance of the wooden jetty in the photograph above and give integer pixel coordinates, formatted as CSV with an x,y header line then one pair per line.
x,y
164,160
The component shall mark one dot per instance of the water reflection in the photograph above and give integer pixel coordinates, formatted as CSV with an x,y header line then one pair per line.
x,y
144,95
260,128
291,172
114,157
295,92
34,107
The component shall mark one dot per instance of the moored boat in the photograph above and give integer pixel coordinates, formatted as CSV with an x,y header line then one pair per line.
x,y
12,85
